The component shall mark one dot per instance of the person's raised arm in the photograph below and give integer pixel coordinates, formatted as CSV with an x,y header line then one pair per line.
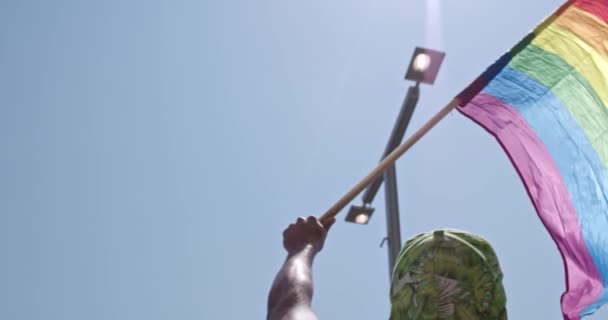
x,y
291,293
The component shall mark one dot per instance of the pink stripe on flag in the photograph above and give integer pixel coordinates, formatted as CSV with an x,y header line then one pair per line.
x,y
548,193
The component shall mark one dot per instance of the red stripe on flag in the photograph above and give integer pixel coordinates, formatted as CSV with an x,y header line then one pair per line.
x,y
598,8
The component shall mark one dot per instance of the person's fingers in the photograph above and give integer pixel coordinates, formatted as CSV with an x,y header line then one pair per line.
x,y
327,225
312,220
300,220
286,231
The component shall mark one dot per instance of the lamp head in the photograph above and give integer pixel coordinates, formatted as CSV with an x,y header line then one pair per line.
x,y
425,65
359,214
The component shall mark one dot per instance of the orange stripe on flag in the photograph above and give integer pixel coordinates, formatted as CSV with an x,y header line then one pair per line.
x,y
587,27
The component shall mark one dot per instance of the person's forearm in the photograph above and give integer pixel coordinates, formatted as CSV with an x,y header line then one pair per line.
x,y
292,288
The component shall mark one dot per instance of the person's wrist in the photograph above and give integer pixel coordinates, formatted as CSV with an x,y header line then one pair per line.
x,y
306,247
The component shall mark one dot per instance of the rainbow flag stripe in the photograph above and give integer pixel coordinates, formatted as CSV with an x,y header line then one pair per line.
x,y
546,102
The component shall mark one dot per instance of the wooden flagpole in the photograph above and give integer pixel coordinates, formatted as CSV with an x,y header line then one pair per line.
x,y
387,162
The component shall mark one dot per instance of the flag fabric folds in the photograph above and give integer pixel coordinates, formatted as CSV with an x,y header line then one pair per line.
x,y
546,102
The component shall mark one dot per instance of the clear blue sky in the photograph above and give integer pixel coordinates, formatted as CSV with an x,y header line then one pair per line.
x,y
153,151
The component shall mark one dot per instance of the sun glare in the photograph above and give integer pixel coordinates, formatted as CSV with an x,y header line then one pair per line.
x,y
433,36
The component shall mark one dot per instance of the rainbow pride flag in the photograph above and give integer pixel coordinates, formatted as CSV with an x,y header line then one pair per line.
x,y
546,102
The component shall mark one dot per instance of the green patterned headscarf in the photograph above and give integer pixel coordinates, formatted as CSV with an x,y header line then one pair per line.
x,y
447,274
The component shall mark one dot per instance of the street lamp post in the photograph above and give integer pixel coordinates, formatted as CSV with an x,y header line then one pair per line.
x,y
393,225
423,68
